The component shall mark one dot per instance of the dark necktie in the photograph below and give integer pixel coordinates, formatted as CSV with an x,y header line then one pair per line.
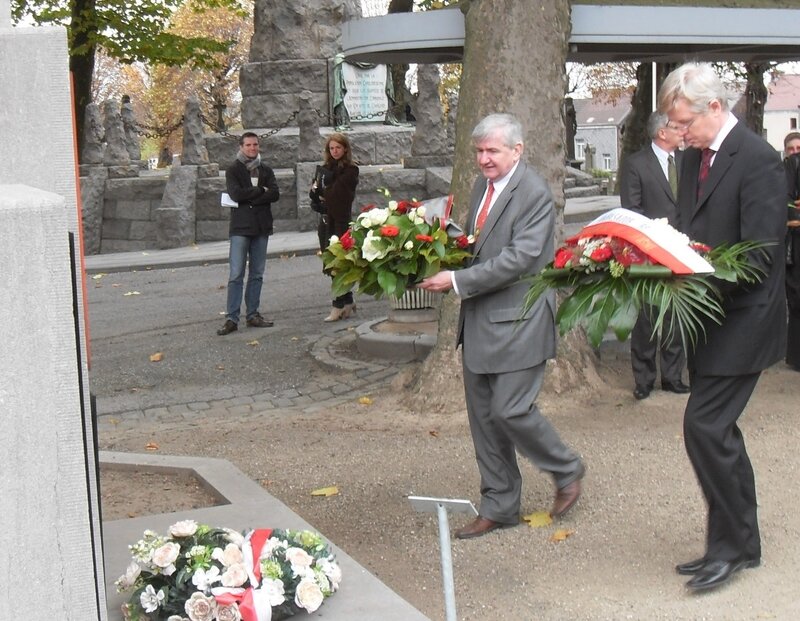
x,y
485,208
672,175
705,167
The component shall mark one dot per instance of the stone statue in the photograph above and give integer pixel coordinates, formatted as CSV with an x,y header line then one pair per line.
x,y
194,146
93,133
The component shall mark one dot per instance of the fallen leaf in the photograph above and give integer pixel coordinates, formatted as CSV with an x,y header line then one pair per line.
x,y
295,338
132,293
157,357
151,446
220,367
254,343
326,491
561,534
145,254
538,519
98,276
365,400
434,433
116,284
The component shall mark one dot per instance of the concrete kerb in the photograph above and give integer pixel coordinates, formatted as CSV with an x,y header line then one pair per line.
x,y
362,597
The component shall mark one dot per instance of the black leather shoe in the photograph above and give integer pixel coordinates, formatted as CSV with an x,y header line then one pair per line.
x,y
257,321
642,392
677,387
692,567
715,573
227,328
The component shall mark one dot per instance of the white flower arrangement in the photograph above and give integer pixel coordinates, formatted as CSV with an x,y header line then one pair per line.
x,y
201,573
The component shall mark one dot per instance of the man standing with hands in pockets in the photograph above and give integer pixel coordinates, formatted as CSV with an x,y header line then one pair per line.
x,y
732,189
503,353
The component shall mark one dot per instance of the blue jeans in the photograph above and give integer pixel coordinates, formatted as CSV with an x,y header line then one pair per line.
x,y
243,246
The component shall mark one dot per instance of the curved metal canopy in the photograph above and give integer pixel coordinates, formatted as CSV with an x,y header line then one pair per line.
x,y
599,34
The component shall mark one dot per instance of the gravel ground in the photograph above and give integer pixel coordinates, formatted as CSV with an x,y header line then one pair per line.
x,y
641,512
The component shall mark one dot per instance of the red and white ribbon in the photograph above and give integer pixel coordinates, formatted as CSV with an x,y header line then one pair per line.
x,y
253,603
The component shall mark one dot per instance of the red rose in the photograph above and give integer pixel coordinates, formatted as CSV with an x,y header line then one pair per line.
x,y
563,257
347,240
627,254
462,241
698,247
403,206
424,238
389,231
601,254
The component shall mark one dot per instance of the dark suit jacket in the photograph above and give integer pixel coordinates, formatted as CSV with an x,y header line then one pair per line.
x,y
516,241
253,217
644,187
744,199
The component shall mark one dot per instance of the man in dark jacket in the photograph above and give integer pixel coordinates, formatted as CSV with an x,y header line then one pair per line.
x,y
251,184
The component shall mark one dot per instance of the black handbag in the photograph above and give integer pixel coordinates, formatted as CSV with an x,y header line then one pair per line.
x,y
320,178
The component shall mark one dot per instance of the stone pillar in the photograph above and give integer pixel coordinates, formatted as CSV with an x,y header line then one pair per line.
x,y
93,136
194,146
129,129
291,51
116,156
176,217
429,144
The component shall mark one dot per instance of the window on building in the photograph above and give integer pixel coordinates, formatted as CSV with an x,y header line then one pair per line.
x,y
606,161
793,123
580,149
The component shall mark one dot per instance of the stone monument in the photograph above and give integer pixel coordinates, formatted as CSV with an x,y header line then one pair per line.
x,y
129,129
116,156
50,525
292,50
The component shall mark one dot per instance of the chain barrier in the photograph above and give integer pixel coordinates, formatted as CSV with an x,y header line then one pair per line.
x,y
153,131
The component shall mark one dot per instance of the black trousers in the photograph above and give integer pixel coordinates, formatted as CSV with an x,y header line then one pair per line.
x,y
645,351
718,455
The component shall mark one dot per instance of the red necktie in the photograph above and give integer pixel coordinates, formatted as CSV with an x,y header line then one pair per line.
x,y
705,167
484,212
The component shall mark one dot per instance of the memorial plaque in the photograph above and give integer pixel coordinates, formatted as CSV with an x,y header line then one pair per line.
x,y
365,98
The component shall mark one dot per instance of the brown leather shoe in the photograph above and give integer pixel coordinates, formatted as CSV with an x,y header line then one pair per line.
x,y
227,328
480,526
566,497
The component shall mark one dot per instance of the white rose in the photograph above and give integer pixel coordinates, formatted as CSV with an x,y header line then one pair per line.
x,y
332,570
234,576
229,613
274,591
308,594
393,205
374,217
371,248
150,599
186,528
203,579
166,555
231,555
421,211
200,608
299,558
128,579
334,239
409,245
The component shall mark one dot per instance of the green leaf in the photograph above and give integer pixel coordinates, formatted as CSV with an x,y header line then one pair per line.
x,y
388,282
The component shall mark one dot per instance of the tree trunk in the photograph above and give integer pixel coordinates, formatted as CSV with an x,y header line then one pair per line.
x,y
756,94
81,61
514,61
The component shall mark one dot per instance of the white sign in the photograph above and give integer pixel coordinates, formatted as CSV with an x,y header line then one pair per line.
x,y
366,92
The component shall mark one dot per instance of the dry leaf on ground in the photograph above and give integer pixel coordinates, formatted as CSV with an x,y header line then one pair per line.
x,y
561,534
365,400
538,519
326,491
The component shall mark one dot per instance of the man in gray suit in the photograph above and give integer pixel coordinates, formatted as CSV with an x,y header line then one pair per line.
x,y
503,353
649,186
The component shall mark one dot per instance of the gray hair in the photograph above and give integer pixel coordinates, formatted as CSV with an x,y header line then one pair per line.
x,y
507,124
656,121
697,83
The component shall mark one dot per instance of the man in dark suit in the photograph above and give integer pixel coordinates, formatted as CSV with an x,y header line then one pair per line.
x,y
503,353
732,189
649,186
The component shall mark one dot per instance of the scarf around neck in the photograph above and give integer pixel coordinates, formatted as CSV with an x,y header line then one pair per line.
x,y
250,164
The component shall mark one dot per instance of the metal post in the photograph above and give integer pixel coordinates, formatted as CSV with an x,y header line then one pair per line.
x,y
447,564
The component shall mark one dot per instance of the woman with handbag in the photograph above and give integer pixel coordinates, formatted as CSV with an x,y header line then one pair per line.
x,y
334,189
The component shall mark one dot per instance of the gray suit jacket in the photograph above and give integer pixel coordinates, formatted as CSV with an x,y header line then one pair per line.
x,y
644,187
516,241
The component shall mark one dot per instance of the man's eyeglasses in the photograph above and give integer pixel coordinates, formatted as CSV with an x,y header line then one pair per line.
x,y
680,127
